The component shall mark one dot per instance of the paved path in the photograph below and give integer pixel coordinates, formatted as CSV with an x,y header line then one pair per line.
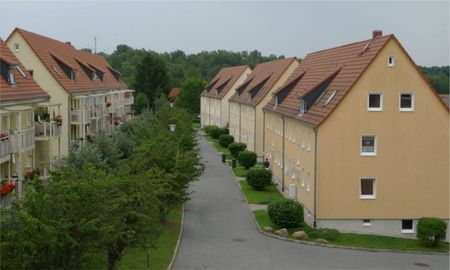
x,y
219,233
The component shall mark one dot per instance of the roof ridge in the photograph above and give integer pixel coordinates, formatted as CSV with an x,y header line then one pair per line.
x,y
42,36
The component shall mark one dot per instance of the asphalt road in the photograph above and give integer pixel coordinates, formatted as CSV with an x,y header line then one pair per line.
x,y
219,233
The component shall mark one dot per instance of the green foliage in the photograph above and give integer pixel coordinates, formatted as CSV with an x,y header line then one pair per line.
x,y
215,132
259,178
247,159
431,231
151,77
225,140
439,77
189,96
236,148
207,129
141,101
285,213
324,233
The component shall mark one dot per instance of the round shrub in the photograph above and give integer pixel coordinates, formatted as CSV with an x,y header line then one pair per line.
x,y
285,213
236,148
259,178
226,140
325,233
431,231
225,130
247,159
215,132
207,129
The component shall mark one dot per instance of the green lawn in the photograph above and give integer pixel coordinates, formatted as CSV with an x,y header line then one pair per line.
x,y
196,125
271,193
136,258
361,240
219,148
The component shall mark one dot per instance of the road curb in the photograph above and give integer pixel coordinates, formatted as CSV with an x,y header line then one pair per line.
x,y
180,233
319,244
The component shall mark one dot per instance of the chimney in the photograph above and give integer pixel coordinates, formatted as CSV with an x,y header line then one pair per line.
x,y
68,42
377,33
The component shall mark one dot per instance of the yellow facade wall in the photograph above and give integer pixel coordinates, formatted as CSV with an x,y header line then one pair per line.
x,y
412,162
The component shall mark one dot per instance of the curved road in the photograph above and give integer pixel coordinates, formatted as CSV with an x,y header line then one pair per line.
x,y
219,233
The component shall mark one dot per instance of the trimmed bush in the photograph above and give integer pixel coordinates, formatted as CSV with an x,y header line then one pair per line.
x,y
285,213
431,231
236,148
215,132
226,130
207,129
327,234
247,159
225,140
259,178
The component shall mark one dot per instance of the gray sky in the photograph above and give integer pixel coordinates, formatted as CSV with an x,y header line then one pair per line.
x,y
288,28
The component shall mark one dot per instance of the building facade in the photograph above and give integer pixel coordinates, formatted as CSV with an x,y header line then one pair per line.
x,y
246,114
359,136
214,108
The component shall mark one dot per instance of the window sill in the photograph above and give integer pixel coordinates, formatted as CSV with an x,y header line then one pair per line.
x,y
406,110
374,109
367,197
367,225
368,154
408,231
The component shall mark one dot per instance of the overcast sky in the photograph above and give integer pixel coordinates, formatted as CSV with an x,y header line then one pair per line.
x,y
288,28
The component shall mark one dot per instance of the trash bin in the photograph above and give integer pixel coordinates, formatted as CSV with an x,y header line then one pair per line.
x,y
224,157
233,163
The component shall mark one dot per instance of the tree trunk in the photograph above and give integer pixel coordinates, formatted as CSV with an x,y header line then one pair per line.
x,y
112,259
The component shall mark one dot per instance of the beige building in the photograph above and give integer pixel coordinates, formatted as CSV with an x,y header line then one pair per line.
x,y
21,134
214,108
90,93
246,114
359,136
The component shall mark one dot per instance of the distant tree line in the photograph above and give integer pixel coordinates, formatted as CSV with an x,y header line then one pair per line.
x,y
438,77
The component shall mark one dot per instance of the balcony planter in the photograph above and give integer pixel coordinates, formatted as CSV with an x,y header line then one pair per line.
x,y
30,174
58,120
4,190
108,104
3,135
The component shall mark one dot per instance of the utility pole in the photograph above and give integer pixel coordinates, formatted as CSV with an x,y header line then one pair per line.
x,y
95,44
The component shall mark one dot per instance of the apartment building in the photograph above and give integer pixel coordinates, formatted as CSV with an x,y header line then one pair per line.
x,y
214,99
360,137
22,134
90,93
246,114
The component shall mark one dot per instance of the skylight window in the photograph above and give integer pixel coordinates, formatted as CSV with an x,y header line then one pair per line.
x,y
21,72
56,71
331,97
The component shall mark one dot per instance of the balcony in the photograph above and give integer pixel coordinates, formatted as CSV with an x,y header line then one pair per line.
x,y
129,100
47,130
5,149
77,115
27,137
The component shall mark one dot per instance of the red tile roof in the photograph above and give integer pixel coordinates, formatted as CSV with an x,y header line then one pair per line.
x,y
25,88
445,98
173,94
325,76
261,80
223,81
58,56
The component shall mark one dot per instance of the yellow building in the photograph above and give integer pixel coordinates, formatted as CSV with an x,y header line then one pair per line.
x,y
214,108
246,115
20,133
90,93
359,136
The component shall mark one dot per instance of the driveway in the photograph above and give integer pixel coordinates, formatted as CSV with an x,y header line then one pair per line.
x,y
219,233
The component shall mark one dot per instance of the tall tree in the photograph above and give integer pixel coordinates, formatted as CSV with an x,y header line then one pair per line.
x,y
151,77
189,96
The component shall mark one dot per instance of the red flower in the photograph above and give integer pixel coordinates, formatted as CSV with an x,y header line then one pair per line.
x,y
6,189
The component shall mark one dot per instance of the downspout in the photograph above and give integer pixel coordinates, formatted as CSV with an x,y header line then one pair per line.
x,y
254,129
220,111
240,111
315,177
264,134
282,155
68,122
209,111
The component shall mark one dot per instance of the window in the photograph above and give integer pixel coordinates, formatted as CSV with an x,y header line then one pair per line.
x,y
366,223
11,77
21,72
407,226
367,190
302,106
16,47
330,98
375,102
368,145
391,61
406,102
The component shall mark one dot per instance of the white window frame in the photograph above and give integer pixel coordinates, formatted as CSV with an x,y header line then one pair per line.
x,y
16,47
368,154
331,97
391,63
380,109
367,224
407,231
368,197
413,102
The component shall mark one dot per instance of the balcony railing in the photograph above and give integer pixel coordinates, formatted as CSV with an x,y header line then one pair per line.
x,y
47,130
5,148
27,137
76,116
129,100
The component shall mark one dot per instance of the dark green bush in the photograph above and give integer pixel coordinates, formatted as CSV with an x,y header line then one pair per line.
x,y
225,140
215,132
247,159
431,231
225,130
207,129
327,234
259,178
285,213
236,148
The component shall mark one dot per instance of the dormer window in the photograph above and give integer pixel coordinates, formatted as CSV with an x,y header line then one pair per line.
x,y
330,98
21,72
276,101
391,61
73,75
11,76
302,106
